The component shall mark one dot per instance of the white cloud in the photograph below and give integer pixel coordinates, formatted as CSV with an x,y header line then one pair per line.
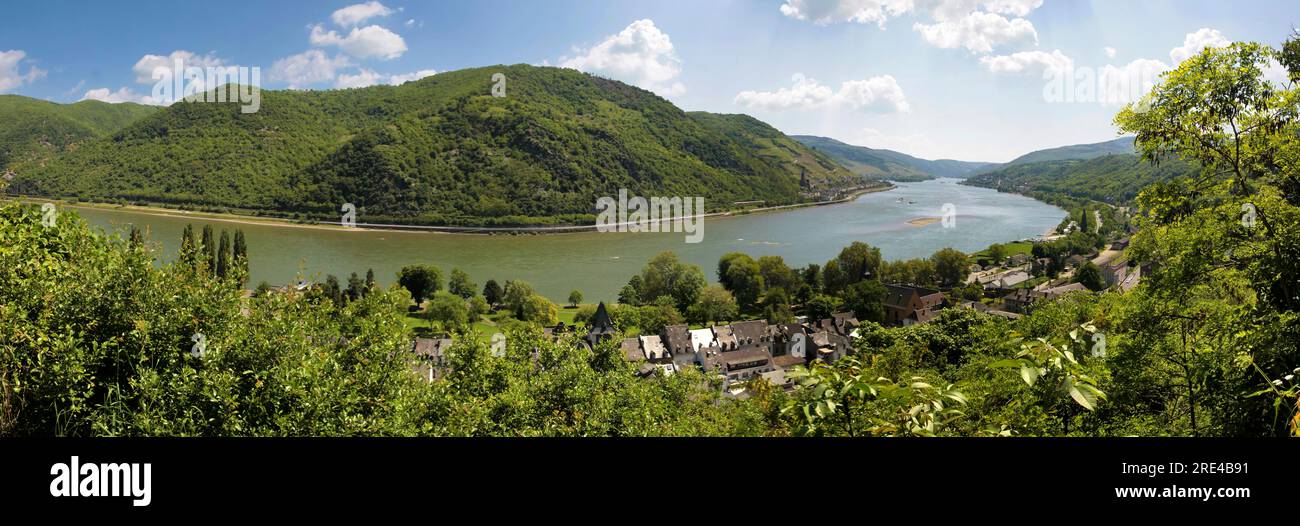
x,y
1028,62
877,94
1110,52
860,11
365,77
977,25
877,12
1130,82
123,94
365,42
641,54
978,32
310,67
144,67
354,15
361,79
10,77
1012,7
408,77
1193,43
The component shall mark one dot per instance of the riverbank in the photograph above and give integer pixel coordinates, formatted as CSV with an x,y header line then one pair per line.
x,y
439,229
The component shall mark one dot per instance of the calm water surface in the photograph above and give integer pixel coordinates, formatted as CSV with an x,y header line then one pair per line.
x,y
598,264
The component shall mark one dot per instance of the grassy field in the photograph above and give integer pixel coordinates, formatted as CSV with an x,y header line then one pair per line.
x,y
1008,250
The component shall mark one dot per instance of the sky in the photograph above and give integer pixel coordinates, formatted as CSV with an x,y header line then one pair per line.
x,y
960,79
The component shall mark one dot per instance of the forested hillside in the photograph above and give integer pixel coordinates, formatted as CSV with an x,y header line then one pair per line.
x,y
1115,179
32,131
441,150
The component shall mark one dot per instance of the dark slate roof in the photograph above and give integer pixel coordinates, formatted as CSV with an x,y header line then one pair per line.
x,y
736,359
632,350
600,321
429,347
678,339
750,332
896,296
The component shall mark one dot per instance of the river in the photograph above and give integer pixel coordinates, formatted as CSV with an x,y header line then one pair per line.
x,y
598,264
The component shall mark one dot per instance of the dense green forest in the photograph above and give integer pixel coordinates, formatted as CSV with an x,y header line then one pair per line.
x,y
441,150
1114,179
96,339
33,131
888,164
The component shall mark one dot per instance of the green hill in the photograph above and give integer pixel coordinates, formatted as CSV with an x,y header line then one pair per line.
x,y
33,130
1122,145
440,150
888,164
1114,179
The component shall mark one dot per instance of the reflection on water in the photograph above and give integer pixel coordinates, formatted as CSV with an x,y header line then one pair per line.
x,y
599,264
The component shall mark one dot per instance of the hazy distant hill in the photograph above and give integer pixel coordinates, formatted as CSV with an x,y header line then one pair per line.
x,y
440,150
888,164
33,130
1114,179
1121,145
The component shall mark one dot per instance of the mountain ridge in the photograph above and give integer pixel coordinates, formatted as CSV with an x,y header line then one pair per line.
x,y
440,150
888,164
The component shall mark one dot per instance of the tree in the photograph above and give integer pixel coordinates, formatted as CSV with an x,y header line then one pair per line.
x,y
630,294
745,280
370,280
997,253
662,313
812,276
776,274
859,261
1225,290
664,275
1090,276
240,254
460,284
536,308
776,306
421,281
575,297
356,287
208,252
822,306
951,266
137,237
332,291
527,304
492,292
450,311
479,306
223,257
715,304
866,300
189,250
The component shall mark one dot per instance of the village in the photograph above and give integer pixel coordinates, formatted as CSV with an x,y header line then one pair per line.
x,y
743,351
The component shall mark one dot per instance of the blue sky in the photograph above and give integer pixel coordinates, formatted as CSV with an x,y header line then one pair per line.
x,y
957,79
